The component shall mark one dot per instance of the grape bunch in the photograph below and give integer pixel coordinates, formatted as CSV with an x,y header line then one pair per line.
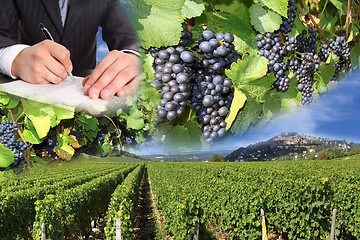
x,y
340,48
219,50
211,99
180,76
272,49
8,140
288,22
211,96
49,146
173,73
305,64
304,69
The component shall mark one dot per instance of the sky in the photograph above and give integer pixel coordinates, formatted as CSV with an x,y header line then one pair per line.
x,y
335,115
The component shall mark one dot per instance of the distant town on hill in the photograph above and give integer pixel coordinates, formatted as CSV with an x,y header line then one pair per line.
x,y
293,146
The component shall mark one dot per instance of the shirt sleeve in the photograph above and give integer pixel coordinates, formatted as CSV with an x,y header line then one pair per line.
x,y
131,51
7,56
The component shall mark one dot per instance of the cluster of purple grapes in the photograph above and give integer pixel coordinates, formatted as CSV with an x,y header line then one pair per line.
x,y
8,140
173,78
340,48
211,96
179,75
272,49
305,64
173,75
288,22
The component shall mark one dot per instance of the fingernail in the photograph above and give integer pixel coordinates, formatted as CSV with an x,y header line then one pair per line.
x,y
106,93
86,88
121,93
94,93
69,69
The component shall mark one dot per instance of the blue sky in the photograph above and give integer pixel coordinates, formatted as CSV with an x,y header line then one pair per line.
x,y
335,114
102,49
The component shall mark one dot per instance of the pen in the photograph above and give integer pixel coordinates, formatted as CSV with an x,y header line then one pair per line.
x,y
48,36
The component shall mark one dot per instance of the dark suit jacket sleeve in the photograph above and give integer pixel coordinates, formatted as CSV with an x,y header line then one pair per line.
x,y
117,31
8,23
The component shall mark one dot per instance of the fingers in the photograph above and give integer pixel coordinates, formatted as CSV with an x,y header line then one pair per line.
x,y
60,53
99,70
45,62
55,71
130,88
115,72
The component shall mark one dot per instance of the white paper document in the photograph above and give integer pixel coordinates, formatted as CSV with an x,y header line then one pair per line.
x,y
66,93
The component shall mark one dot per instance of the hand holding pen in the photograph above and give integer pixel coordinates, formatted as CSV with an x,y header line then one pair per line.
x,y
49,37
45,62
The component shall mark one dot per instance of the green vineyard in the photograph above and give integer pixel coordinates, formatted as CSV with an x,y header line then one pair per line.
x,y
64,198
222,199
297,197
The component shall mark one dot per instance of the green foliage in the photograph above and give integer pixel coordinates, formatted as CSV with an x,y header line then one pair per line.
x,y
217,158
123,205
75,207
20,192
297,197
6,156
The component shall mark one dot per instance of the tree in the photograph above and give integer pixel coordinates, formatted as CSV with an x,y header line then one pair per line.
x,y
217,158
321,155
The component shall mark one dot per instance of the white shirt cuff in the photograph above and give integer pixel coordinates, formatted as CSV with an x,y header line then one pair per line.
x,y
131,51
7,56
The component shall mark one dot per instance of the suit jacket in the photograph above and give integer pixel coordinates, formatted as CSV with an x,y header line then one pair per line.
x,y
19,23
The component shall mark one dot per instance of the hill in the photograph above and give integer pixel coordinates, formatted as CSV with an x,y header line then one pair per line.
x,y
293,146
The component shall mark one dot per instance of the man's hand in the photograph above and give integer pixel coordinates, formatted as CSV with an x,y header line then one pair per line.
x,y
45,62
118,73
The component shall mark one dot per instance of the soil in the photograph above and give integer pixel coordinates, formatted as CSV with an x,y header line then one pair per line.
x,y
144,222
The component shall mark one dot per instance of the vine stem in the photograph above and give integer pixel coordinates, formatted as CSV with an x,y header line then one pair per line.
x,y
20,116
315,24
357,15
348,18
308,24
117,130
23,139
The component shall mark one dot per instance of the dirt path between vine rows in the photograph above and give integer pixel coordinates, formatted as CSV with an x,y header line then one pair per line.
x,y
144,222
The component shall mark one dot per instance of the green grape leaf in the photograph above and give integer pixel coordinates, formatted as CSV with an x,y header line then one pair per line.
x,y
249,75
4,98
63,112
88,122
248,115
135,119
158,22
41,116
320,85
238,23
264,20
184,137
147,65
9,101
193,130
305,10
279,6
276,102
250,68
192,8
6,156
355,56
30,133
107,148
237,104
340,5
